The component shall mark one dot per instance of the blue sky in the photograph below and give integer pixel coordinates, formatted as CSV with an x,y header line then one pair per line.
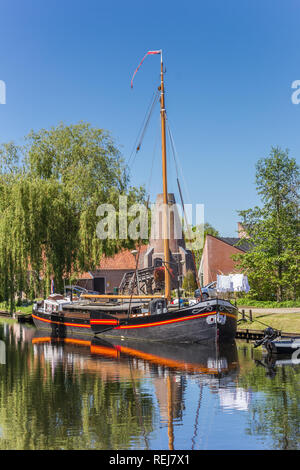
x,y
230,65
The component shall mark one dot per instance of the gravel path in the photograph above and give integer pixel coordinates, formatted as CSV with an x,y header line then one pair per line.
x,y
270,310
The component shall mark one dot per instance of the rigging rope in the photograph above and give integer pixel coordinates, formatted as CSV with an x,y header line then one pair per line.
x,y
153,159
182,203
143,128
155,99
176,160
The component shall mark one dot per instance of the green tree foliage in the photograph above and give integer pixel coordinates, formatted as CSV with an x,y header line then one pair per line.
x,y
272,265
206,229
49,193
189,283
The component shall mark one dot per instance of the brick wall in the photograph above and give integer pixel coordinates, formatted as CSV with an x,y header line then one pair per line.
x,y
113,278
217,258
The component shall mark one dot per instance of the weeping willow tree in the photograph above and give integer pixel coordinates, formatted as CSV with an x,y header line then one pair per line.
x,y
49,193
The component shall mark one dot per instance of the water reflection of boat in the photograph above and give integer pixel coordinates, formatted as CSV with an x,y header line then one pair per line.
x,y
214,360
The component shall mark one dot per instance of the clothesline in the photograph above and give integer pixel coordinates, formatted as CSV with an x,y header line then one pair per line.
x,y
232,283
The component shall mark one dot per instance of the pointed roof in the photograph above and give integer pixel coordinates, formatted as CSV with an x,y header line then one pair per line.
x,y
239,243
123,260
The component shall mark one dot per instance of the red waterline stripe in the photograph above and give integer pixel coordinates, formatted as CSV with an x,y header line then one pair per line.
x,y
166,322
191,317
61,323
104,322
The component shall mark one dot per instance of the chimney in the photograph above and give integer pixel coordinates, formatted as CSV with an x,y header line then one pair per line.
x,y
242,232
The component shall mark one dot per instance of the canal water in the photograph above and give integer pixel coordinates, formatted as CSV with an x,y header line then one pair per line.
x,y
77,393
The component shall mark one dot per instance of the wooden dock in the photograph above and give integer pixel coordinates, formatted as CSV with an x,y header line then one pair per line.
x,y
259,334
4,313
23,317
249,334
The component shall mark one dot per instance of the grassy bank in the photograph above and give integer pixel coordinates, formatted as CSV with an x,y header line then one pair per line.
x,y
23,308
285,322
248,302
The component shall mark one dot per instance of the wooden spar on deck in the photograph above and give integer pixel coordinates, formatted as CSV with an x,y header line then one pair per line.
x,y
112,296
165,184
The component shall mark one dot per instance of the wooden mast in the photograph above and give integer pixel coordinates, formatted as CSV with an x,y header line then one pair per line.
x,y
165,185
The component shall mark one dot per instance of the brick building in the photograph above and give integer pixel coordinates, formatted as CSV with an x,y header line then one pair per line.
x,y
217,252
111,271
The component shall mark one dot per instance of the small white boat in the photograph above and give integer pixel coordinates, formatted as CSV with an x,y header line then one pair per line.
x,y
275,344
283,346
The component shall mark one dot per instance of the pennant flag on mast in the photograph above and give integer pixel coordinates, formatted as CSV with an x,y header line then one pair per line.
x,y
148,53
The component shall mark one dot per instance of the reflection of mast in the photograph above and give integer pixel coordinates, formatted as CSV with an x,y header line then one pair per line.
x,y
170,414
169,394
197,417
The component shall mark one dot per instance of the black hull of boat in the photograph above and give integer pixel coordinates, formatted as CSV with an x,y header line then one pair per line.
x,y
211,321
61,327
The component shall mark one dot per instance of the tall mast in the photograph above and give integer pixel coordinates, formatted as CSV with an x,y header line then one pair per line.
x,y
165,184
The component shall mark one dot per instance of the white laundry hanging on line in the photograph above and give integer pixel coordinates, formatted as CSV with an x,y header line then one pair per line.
x,y
237,281
232,283
224,283
240,283
246,284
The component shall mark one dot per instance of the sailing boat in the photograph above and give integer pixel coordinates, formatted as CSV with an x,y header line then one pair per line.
x,y
143,317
